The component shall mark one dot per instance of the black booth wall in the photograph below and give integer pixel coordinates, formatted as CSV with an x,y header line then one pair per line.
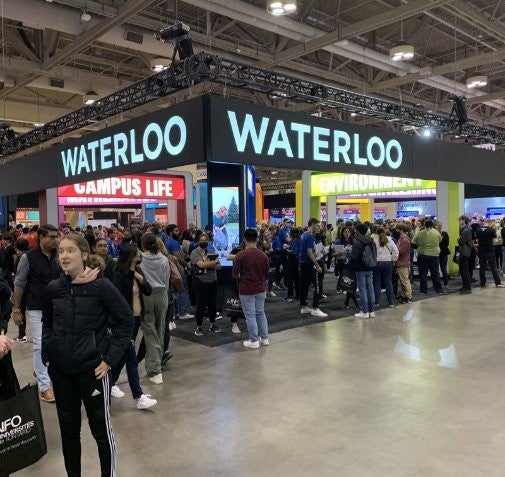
x,y
278,201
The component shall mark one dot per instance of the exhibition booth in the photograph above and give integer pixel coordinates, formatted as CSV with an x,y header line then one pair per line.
x,y
231,137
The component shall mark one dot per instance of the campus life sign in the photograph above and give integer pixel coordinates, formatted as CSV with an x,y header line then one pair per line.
x,y
123,190
252,134
339,184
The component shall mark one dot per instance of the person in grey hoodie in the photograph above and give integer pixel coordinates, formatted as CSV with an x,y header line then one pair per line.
x,y
156,270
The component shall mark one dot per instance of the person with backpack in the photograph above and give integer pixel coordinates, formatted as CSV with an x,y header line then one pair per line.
x,y
363,261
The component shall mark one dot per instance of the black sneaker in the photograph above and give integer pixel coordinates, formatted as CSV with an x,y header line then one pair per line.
x,y
199,331
20,339
214,328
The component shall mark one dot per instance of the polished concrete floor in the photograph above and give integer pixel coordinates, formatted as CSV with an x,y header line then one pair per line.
x,y
418,391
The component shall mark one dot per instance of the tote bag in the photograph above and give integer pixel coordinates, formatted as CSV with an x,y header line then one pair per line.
x,y
347,281
22,436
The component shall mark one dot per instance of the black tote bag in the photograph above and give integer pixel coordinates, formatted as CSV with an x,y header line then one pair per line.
x,y
22,436
347,281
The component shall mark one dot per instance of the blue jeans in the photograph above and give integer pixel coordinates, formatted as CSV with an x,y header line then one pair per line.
x,y
366,293
182,299
34,317
253,307
383,273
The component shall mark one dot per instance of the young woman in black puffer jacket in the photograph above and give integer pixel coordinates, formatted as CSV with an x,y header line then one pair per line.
x,y
86,328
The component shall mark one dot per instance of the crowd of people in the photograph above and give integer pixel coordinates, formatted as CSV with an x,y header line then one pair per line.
x,y
87,292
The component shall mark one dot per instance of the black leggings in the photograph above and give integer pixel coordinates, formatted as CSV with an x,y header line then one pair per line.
x,y
206,297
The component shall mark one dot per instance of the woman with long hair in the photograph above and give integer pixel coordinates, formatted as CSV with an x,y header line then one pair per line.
x,y
86,329
130,281
387,255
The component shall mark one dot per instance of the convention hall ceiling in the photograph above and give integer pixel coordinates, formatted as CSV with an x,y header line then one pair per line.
x,y
51,58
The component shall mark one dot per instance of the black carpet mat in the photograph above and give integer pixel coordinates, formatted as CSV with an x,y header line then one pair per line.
x,y
282,315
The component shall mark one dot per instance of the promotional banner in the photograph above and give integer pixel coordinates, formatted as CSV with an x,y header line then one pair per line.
x,y
349,184
152,187
251,134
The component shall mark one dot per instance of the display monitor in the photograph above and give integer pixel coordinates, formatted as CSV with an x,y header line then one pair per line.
x,y
225,221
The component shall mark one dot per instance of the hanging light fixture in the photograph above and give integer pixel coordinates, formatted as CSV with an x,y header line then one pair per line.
x,y
477,81
281,7
90,97
402,51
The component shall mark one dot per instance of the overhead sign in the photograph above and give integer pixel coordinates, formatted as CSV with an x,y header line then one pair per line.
x,y
252,134
166,138
124,189
347,184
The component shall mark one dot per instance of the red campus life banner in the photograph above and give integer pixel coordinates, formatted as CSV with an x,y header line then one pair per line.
x,y
141,188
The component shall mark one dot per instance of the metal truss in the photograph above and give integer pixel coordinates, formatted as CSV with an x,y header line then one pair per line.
x,y
205,67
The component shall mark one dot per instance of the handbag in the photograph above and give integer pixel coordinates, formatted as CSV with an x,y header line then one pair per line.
x,y
231,305
176,281
347,281
456,256
22,436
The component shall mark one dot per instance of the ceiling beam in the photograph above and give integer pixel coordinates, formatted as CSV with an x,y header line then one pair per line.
x,y
486,97
14,37
126,11
350,31
459,65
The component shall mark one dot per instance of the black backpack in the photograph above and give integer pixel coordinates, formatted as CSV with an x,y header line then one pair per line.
x,y
370,255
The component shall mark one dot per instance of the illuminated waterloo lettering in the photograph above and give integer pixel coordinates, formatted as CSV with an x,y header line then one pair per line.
x,y
345,184
327,145
121,148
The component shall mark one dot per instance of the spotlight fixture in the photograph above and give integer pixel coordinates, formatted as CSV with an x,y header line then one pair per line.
x,y
281,7
171,33
160,64
478,81
38,125
90,98
426,132
85,16
402,51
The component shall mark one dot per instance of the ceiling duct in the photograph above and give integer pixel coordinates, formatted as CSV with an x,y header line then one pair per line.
x,y
56,83
134,37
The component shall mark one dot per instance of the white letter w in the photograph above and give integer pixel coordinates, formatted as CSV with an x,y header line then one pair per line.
x,y
249,129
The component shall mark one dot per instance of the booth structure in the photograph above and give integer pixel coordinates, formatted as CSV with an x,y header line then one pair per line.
x,y
233,137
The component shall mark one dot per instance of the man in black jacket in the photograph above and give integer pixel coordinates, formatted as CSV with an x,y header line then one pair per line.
x,y
485,236
36,269
465,242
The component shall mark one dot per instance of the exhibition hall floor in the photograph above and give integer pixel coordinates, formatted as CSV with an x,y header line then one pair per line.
x,y
416,391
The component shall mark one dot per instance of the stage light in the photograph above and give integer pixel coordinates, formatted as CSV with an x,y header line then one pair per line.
x,y
426,132
90,98
478,81
172,33
281,7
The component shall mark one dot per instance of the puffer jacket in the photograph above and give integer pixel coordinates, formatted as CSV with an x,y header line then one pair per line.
x,y
83,324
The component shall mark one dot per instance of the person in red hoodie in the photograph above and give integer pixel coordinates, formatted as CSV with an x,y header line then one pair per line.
x,y
403,263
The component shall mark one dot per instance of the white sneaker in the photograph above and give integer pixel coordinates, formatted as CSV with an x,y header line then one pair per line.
x,y
235,329
318,312
157,379
145,402
271,294
187,316
305,310
371,314
172,325
264,341
116,392
218,316
361,315
251,344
